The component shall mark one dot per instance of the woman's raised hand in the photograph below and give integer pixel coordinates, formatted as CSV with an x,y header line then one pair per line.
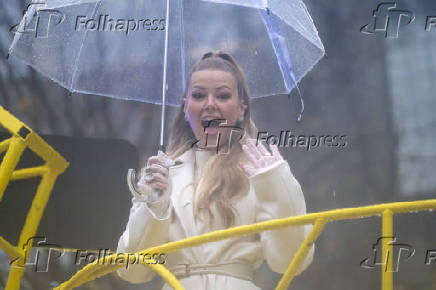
x,y
259,156
155,174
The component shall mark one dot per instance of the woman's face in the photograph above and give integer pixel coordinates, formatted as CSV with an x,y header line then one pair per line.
x,y
212,94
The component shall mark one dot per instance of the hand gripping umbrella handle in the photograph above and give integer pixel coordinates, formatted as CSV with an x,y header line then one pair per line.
x,y
132,182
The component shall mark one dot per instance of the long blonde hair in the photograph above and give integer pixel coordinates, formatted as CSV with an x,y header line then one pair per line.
x,y
218,185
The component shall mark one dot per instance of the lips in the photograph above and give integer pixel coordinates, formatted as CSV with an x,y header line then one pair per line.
x,y
214,123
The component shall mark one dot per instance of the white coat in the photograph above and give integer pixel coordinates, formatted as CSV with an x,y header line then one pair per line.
x,y
274,193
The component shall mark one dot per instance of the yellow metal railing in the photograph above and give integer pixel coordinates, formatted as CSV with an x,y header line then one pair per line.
x,y
54,164
104,266
23,137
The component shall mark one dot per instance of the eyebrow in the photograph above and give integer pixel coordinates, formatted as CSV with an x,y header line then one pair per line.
x,y
220,87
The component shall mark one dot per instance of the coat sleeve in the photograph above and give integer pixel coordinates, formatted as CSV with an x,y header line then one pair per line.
x,y
147,227
279,195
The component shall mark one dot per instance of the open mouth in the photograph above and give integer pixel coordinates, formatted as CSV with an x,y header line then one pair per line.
x,y
214,123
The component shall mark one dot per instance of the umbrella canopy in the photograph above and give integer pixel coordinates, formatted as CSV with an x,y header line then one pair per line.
x,y
116,48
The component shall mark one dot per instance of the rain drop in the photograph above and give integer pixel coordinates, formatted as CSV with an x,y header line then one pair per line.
x,y
54,284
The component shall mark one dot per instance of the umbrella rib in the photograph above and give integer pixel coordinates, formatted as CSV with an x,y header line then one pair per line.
x,y
76,62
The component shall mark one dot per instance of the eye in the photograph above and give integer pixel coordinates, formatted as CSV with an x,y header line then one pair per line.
x,y
197,95
223,96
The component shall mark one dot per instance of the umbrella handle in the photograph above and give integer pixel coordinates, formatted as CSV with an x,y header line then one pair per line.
x,y
132,182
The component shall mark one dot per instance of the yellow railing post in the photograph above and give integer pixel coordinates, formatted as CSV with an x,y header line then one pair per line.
x,y
12,156
387,250
301,254
30,227
54,164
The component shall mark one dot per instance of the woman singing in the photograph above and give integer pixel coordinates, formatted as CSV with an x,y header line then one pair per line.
x,y
198,187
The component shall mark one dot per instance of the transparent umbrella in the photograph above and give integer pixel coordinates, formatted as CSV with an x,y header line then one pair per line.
x,y
142,49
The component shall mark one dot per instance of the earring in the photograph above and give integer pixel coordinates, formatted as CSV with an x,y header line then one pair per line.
x,y
186,118
241,119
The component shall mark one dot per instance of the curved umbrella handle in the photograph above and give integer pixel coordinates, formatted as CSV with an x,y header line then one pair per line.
x,y
132,182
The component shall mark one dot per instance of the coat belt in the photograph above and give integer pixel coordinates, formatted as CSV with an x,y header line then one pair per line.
x,y
236,270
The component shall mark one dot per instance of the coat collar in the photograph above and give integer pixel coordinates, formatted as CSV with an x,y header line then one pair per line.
x,y
187,157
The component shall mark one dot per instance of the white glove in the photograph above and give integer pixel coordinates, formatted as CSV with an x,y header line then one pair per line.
x,y
154,177
261,160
